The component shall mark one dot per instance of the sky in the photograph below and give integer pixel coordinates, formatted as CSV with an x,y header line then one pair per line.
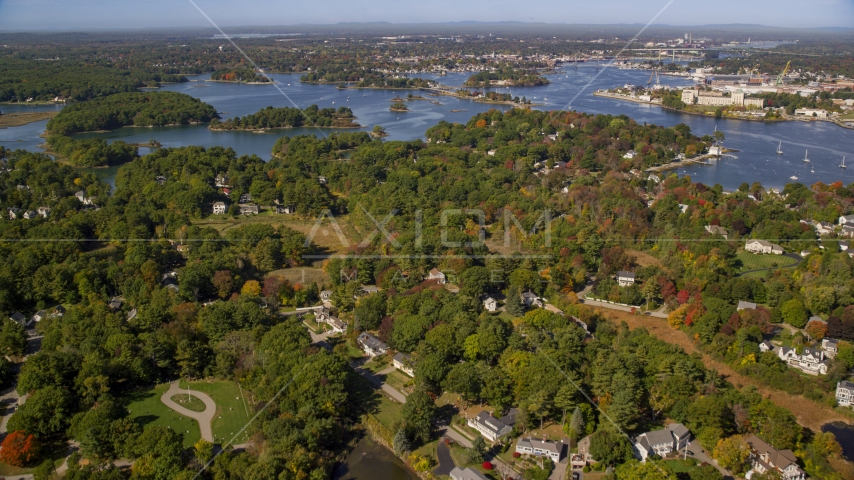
x,y
17,15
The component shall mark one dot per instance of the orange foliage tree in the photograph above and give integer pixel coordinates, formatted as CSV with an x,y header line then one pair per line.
x,y
19,449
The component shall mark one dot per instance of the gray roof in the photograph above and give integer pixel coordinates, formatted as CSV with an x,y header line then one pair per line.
x,y
493,424
845,384
745,305
678,429
466,474
659,437
541,445
402,358
625,274
372,342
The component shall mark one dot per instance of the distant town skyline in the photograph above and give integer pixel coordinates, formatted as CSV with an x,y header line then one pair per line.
x,y
32,15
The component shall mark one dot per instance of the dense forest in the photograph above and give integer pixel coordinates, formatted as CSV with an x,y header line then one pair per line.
x,y
580,213
141,109
91,152
22,81
287,117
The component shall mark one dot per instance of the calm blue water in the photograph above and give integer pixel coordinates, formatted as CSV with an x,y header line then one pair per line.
x,y
756,142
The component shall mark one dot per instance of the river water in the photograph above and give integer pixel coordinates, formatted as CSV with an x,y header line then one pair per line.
x,y
756,142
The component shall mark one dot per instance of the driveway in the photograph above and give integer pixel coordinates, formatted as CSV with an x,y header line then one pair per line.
x,y
377,380
698,453
204,418
446,463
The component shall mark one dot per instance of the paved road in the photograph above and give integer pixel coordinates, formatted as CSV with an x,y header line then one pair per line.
x,y
204,418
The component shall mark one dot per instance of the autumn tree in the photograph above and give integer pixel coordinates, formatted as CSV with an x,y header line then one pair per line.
x,y
251,289
732,453
19,449
223,282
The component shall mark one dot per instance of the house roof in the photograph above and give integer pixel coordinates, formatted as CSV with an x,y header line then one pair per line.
x,y
845,384
17,316
548,446
372,342
779,458
370,289
678,429
625,274
466,474
658,437
510,418
529,294
436,273
742,305
403,358
491,423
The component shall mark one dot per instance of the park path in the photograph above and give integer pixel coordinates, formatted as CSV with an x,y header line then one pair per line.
x,y
204,418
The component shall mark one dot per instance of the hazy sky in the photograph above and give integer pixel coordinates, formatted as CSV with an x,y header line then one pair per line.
x,y
112,14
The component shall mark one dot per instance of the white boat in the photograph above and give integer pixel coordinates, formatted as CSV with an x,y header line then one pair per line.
x,y
843,163
806,158
812,170
793,177
779,149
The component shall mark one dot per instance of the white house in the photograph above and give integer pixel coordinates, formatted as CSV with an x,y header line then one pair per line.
x,y
221,180
403,362
763,247
766,346
85,200
249,209
715,150
661,442
372,345
530,299
847,231
337,325
717,230
830,347
764,458
845,393
219,208
811,361
625,279
846,219
843,245
466,474
630,154
436,274
540,448
823,228
43,211
488,426
490,304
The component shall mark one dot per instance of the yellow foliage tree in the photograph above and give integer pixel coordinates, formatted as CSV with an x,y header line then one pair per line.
x,y
251,289
732,453
677,317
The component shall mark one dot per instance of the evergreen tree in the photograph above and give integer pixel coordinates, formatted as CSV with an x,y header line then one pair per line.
x,y
513,305
576,424
400,443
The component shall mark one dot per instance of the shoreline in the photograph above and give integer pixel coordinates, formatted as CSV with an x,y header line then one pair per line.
x,y
614,96
265,130
698,160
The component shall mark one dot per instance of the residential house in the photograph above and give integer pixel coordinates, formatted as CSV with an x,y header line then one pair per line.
x,y
437,275
830,347
337,325
716,150
466,474
249,209
116,303
810,361
742,305
84,199
39,316
540,448
219,208
763,247
804,253
823,228
403,362
846,219
530,299
43,211
488,426
372,345
14,213
245,198
683,208
18,318
625,279
221,180
132,314
661,442
321,180
847,231
369,289
630,155
845,393
490,304
58,311
764,458
843,245
766,346
160,179
285,209
717,230
30,214
325,296
553,309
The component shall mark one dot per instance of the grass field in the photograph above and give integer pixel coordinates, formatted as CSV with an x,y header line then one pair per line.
x,y
389,413
303,276
751,261
399,381
231,414
190,403
145,406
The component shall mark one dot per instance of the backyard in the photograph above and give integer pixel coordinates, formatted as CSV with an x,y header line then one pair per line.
x,y
751,261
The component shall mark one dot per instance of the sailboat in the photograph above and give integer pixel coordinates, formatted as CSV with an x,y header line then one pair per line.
x,y
806,158
793,177
780,149
843,163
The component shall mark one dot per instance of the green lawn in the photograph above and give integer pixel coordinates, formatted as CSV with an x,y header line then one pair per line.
x,y
190,402
751,261
399,380
378,363
231,413
145,407
389,413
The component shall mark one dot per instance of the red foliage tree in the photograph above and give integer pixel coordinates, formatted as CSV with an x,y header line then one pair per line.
x,y
682,296
19,449
486,466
